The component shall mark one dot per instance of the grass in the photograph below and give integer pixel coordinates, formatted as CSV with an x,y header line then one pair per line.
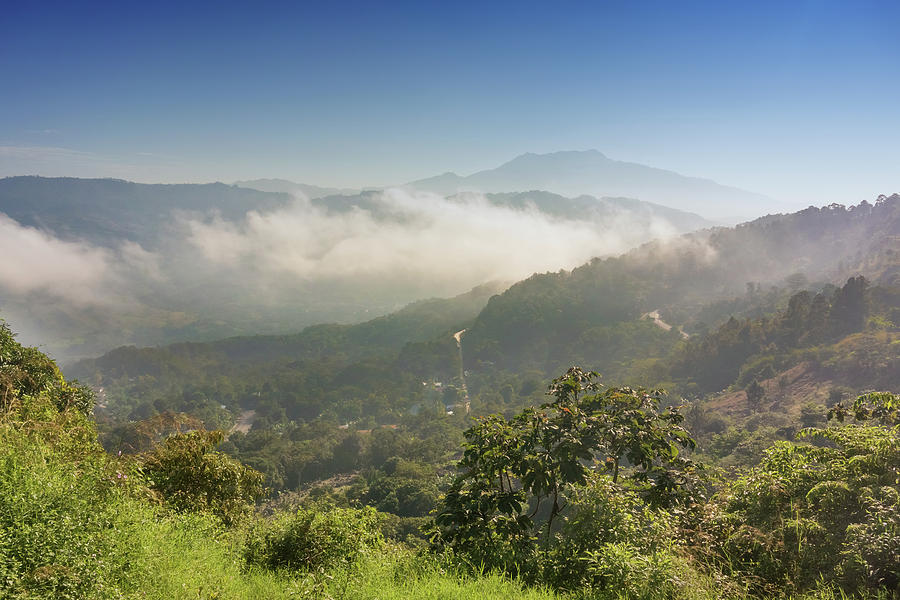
x,y
72,526
67,530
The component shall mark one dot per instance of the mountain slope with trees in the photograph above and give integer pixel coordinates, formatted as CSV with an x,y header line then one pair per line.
x,y
575,173
779,350
585,496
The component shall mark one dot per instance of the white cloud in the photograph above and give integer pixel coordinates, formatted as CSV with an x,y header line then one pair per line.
x,y
413,237
35,261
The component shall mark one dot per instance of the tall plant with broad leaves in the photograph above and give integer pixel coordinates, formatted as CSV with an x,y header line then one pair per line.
x,y
517,476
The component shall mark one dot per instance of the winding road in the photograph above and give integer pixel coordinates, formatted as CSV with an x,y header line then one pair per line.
x,y
462,371
657,320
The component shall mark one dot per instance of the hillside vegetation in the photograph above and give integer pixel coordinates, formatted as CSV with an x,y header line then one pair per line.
x,y
583,497
344,461
103,262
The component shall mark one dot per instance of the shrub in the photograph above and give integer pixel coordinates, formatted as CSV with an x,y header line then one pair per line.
x,y
311,539
28,373
608,539
59,499
810,515
191,476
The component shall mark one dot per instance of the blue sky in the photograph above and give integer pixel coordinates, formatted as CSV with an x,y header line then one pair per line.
x,y
798,100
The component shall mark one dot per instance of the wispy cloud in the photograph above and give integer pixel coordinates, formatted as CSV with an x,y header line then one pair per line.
x,y
305,262
413,237
45,153
35,261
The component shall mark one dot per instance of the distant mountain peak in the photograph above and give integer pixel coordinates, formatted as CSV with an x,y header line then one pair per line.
x,y
559,155
573,173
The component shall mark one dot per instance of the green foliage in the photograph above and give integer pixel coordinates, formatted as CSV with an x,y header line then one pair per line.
x,y
882,407
817,513
27,372
604,536
313,538
78,523
402,496
191,476
53,517
519,476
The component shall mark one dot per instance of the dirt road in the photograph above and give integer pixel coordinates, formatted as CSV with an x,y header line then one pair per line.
x,y
654,316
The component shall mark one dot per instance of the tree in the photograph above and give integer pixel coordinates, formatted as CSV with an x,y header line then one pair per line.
x,y
755,394
191,476
517,476
809,515
849,307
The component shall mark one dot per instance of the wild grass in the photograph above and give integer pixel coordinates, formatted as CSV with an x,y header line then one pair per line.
x,y
72,526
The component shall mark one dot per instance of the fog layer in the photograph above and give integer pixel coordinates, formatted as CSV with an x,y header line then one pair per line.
x,y
279,269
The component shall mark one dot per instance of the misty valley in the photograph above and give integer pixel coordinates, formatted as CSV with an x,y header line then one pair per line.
x,y
447,389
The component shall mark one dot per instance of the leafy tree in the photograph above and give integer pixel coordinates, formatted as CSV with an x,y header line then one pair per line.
x,y
517,476
191,476
812,514
849,306
755,394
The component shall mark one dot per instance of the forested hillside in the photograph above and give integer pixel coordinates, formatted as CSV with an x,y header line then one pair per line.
x,y
99,263
593,494
542,320
335,369
793,342
358,447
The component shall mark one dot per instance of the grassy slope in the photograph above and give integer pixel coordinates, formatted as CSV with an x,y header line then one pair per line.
x,y
77,532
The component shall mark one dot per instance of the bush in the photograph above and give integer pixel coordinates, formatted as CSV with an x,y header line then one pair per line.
x,y
191,476
28,373
311,539
816,515
625,571
59,506
609,538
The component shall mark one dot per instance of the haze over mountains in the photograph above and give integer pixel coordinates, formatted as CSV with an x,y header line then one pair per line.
x,y
97,263
590,315
575,173
579,173
296,189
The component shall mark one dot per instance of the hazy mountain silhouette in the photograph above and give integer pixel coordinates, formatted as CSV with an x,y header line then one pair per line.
x,y
289,187
576,173
109,211
600,209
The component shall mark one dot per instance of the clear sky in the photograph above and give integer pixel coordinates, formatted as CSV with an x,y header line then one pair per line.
x,y
797,100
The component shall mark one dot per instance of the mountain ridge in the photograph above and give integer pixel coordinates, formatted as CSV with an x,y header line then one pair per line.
x,y
294,188
590,172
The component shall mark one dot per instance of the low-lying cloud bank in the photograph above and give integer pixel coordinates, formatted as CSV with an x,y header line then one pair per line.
x,y
462,242
305,262
35,261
